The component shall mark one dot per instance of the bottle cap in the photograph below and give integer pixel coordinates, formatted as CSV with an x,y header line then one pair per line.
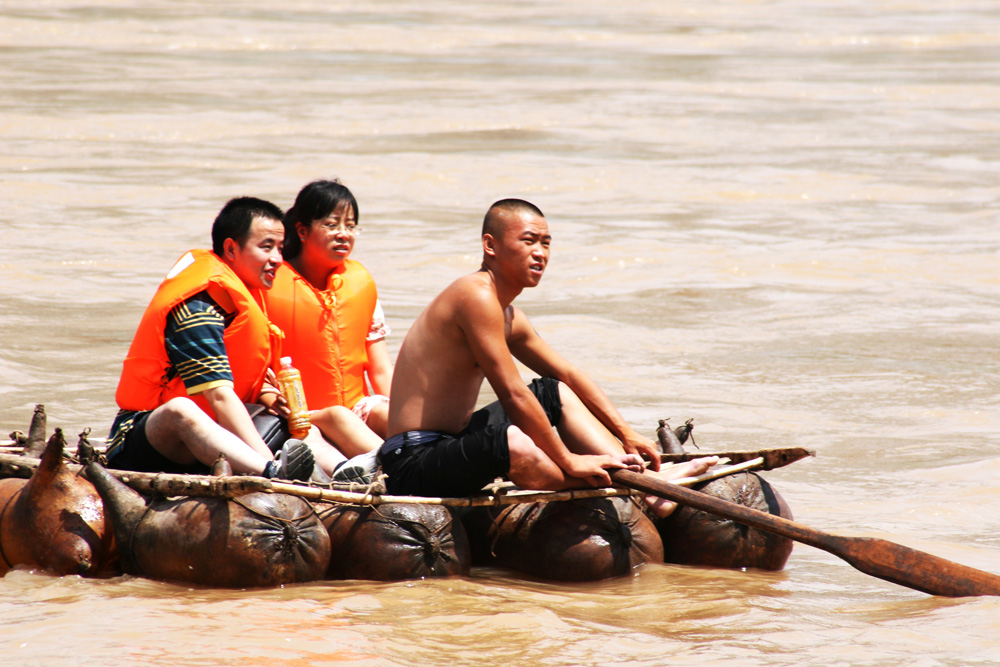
x,y
286,361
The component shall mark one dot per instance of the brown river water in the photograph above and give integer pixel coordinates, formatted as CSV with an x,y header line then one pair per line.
x,y
779,218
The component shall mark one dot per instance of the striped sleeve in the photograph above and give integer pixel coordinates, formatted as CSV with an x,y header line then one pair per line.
x,y
195,345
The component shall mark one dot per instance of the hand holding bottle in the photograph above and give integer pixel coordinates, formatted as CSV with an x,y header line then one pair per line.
x,y
290,383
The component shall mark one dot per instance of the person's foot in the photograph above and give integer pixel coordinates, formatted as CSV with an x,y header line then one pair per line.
x,y
295,461
662,507
361,469
632,462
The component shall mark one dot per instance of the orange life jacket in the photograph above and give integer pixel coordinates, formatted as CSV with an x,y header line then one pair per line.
x,y
147,383
326,331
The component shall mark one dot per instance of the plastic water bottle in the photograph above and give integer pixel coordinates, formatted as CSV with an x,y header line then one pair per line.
x,y
290,384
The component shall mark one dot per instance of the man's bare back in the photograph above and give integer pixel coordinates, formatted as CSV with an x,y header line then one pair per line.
x,y
438,377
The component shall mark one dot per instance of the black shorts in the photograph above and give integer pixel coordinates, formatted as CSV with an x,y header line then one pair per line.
x,y
459,465
138,455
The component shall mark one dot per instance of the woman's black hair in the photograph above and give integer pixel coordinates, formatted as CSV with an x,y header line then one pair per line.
x,y
315,201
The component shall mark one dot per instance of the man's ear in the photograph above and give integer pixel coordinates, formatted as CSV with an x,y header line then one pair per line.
x,y
229,247
488,245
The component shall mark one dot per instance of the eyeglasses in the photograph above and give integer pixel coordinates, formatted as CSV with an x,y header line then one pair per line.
x,y
332,225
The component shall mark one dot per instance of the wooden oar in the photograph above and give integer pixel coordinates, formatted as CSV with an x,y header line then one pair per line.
x,y
877,557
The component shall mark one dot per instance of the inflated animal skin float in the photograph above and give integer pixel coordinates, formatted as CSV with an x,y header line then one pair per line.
x,y
255,540
695,537
576,540
55,520
395,541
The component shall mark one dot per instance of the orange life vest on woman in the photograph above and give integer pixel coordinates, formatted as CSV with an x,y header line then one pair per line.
x,y
146,382
326,330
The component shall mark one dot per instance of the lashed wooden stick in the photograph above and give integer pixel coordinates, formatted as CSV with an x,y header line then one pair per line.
x,y
230,486
496,496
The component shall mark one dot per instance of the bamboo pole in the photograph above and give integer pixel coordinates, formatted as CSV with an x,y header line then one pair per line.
x,y
501,494
229,486
487,500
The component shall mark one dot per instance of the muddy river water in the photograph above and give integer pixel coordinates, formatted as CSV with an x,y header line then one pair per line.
x,y
778,218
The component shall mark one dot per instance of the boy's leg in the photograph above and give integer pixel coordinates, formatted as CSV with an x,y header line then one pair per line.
x,y
182,432
347,433
584,433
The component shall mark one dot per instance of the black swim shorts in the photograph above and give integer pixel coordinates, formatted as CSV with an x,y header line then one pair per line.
x,y
135,453
462,464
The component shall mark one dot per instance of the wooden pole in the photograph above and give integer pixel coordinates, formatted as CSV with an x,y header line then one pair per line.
x,y
229,486
500,495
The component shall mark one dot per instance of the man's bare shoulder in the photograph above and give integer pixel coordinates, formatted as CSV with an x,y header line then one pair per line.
x,y
475,282
470,293
455,307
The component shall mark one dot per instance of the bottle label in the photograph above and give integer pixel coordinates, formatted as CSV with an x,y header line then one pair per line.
x,y
290,383
294,395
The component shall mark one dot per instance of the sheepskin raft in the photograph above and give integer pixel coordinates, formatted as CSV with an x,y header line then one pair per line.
x,y
69,515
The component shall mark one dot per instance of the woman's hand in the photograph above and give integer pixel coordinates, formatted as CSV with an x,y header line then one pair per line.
x,y
271,398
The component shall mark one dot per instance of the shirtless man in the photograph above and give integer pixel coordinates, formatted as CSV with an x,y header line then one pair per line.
x,y
440,445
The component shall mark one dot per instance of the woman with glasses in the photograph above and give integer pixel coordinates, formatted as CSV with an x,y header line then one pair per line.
x,y
327,306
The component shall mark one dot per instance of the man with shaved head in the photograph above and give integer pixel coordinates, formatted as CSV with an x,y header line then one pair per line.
x,y
441,445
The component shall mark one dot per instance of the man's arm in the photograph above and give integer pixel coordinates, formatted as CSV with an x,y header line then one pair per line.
x,y
232,415
479,314
194,338
532,350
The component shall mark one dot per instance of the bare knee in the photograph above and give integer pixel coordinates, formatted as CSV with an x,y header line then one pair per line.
x,y
345,430
171,428
530,467
179,406
177,415
335,415
333,421
519,445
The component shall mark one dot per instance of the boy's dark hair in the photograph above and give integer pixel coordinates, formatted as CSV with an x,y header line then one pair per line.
x,y
512,205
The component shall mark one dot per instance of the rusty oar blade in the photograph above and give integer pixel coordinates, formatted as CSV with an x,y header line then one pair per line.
x,y
877,557
773,458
